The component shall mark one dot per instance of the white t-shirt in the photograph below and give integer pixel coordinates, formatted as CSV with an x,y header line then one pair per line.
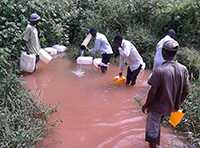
x,y
102,45
32,40
158,59
129,55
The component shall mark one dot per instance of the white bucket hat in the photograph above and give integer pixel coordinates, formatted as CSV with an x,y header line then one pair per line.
x,y
34,17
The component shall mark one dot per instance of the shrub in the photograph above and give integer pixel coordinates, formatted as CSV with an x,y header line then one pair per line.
x,y
144,42
190,123
14,18
191,59
18,127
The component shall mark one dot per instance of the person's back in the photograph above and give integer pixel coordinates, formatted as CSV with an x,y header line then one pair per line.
x,y
158,59
172,77
169,88
133,59
102,44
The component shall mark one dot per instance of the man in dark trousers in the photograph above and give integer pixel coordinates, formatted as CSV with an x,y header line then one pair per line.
x,y
130,56
103,47
169,87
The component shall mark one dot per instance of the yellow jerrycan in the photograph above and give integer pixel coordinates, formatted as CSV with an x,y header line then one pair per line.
x,y
119,80
176,117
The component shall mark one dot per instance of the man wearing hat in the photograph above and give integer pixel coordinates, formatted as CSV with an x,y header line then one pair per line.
x,y
169,87
30,36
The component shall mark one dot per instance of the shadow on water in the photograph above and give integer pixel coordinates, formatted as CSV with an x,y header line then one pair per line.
x,y
94,112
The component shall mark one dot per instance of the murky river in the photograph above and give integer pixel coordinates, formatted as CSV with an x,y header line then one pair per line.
x,y
94,112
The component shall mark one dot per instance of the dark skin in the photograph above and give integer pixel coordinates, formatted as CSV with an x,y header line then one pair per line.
x,y
153,90
93,34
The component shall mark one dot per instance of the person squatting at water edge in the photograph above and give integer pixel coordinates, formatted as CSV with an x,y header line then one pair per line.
x,y
31,38
103,47
130,56
169,88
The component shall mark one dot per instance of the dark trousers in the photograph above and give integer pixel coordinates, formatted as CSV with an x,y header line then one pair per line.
x,y
105,60
36,61
132,75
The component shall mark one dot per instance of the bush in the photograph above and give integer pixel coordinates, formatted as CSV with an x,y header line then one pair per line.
x,y
183,16
18,127
14,18
191,59
144,42
190,124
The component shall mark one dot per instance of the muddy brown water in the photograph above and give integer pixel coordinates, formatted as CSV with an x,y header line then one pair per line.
x,y
94,112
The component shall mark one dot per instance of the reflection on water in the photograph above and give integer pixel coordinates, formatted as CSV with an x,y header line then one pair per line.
x,y
95,112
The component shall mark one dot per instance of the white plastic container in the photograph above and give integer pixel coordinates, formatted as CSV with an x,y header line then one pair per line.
x,y
97,61
86,40
51,50
60,48
27,62
84,60
44,56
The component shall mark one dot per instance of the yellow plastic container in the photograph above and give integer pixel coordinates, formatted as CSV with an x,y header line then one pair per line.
x,y
176,117
119,80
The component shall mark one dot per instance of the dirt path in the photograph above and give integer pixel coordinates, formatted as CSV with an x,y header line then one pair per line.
x,y
94,112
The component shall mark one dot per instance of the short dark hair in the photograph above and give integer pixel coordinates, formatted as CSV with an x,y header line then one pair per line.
x,y
170,54
118,38
93,31
172,33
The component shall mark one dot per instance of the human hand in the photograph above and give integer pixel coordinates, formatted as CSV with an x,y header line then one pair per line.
x,y
120,74
144,109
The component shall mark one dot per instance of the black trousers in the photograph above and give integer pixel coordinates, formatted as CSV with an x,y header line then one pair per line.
x,y
105,60
36,61
132,75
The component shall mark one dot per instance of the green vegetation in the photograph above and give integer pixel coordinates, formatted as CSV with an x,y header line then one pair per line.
x,y
18,127
143,22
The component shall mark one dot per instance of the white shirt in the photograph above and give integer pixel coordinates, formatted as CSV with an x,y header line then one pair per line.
x,y
102,45
158,59
129,55
32,40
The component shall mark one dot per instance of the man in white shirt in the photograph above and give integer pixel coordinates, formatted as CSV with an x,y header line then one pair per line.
x,y
30,36
103,47
130,56
158,59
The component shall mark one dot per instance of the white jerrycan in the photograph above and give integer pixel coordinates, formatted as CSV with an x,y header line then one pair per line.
x,y
44,56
